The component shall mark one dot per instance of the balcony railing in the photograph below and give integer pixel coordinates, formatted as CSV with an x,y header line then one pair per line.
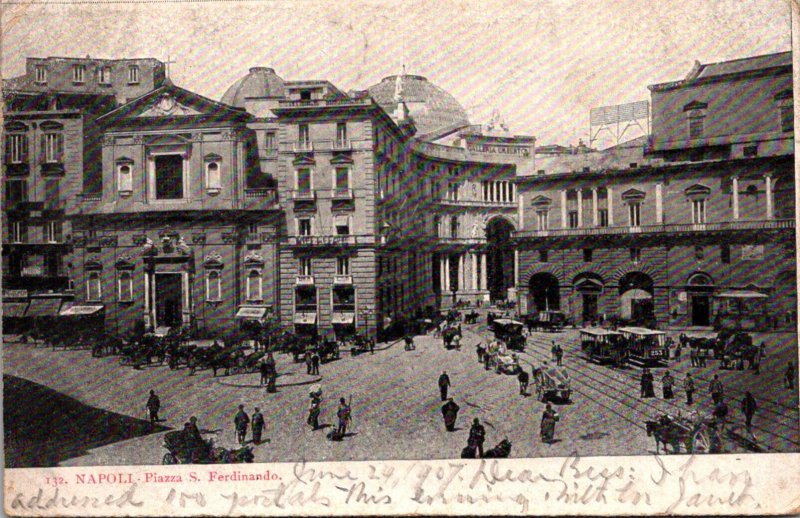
x,y
330,240
462,240
260,194
341,145
91,196
724,226
303,146
268,153
343,279
304,195
305,280
476,203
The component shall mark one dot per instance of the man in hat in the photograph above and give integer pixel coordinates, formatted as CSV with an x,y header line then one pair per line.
x,y
688,387
444,383
667,382
315,360
716,389
240,421
749,408
477,434
523,381
257,425
153,406
450,414
314,408
343,413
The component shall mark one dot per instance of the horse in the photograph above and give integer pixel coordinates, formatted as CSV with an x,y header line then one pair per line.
x,y
667,432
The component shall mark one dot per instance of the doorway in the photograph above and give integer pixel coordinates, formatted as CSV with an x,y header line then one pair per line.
x,y
169,299
589,307
701,310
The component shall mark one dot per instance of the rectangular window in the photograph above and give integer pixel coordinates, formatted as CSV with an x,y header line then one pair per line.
x,y
104,76
304,266
587,255
695,127
78,73
698,211
304,181
169,177
602,217
452,192
305,298
342,224
341,135
304,226
344,298
342,179
214,286
124,179
18,231
750,151
52,232
252,230
16,148
303,137
125,287
725,254
254,284
133,74
343,265
269,140
572,219
53,148
41,74
634,213
542,256
16,190
787,118
93,287
542,220
636,255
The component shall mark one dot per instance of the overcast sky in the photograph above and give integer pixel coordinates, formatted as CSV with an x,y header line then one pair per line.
x,y
542,63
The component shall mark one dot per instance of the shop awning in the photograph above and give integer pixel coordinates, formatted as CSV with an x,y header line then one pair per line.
x,y
43,308
305,318
252,312
80,310
637,294
14,309
343,318
744,294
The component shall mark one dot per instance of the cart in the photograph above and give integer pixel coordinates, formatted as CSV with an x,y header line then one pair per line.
x,y
510,332
551,321
646,346
551,383
186,449
604,345
696,435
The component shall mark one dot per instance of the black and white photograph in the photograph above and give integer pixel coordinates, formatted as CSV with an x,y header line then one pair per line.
x,y
241,236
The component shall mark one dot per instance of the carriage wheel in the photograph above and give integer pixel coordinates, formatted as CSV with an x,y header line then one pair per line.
x,y
700,443
169,459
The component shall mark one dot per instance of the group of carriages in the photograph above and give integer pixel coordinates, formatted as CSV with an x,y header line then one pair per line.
x,y
618,347
733,348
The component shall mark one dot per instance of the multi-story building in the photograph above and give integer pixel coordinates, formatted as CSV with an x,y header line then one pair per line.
x,y
51,155
695,227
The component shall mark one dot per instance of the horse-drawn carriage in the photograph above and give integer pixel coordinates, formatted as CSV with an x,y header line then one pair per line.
x,y
550,321
244,363
551,382
184,448
510,332
647,346
499,359
695,434
736,348
604,345
704,344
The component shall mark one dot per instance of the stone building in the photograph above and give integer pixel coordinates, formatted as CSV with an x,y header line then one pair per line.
x,y
51,155
694,227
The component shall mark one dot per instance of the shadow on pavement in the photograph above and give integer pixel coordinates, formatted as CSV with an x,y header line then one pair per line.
x,y
42,427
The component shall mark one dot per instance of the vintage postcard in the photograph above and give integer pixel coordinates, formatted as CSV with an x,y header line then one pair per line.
x,y
383,257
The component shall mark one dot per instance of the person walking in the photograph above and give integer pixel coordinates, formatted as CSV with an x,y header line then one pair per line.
x,y
314,408
523,381
480,349
720,414
716,390
315,359
343,413
257,425
409,340
553,351
788,376
667,382
240,422
450,414
477,435
444,384
749,408
307,358
263,369
153,406
548,426
559,355
688,387
692,357
647,384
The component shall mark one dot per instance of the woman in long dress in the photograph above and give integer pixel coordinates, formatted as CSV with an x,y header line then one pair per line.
x,y
548,428
450,413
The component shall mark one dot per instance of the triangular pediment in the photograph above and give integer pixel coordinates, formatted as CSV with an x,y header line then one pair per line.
x,y
171,102
633,194
541,201
698,190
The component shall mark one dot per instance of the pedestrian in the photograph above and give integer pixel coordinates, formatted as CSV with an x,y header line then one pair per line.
x,y
523,381
450,414
720,414
409,343
457,341
559,354
701,359
749,408
192,430
788,377
646,382
343,413
444,384
678,351
314,408
257,424
372,346
548,426
553,351
477,434
688,387
716,389
270,364
667,382
240,422
263,369
480,350
153,406
307,358
315,359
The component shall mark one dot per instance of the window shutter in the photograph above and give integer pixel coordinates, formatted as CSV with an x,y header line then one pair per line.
x,y
43,149
7,153
24,149
60,148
